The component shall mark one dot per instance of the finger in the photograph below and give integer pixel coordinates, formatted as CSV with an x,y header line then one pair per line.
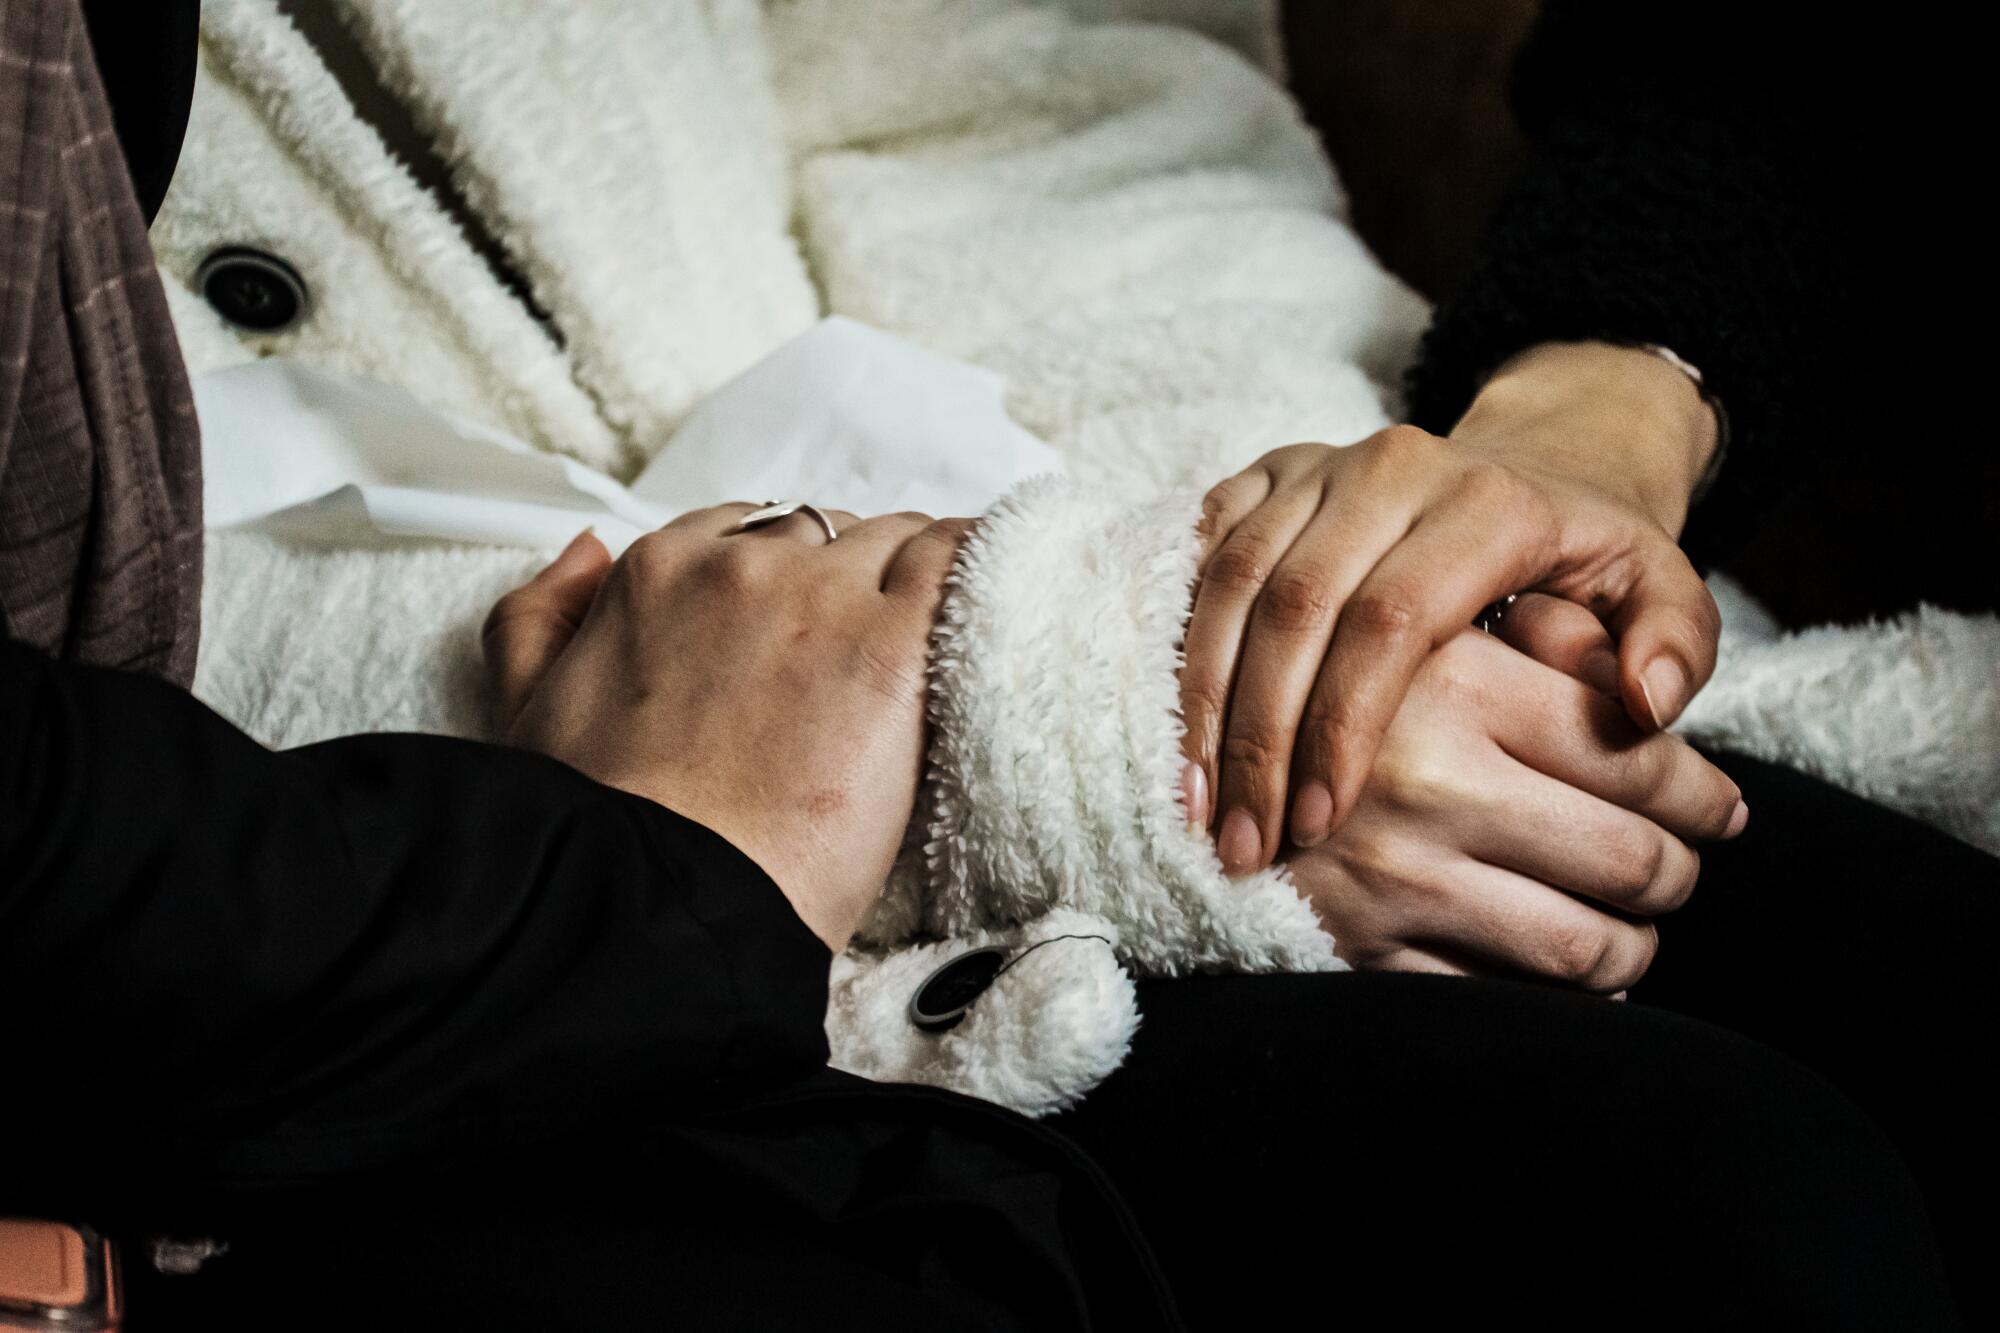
x,y
1514,924
713,520
1564,636
1571,733
1284,644
1667,627
1227,504
923,562
1491,537
1413,960
799,526
1558,835
1229,587
529,627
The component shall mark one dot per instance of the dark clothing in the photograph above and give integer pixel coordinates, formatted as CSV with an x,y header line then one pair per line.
x,y
146,55
1768,190
406,1141
100,476
1495,1155
271,995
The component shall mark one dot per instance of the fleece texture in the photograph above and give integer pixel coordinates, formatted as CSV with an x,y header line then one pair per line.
x,y
1128,221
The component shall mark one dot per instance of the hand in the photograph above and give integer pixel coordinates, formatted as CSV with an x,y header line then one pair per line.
x,y
1517,822
1330,575
768,685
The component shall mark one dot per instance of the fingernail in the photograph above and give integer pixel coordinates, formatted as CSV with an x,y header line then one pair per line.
x,y
1240,845
1664,686
1737,820
1312,815
1194,794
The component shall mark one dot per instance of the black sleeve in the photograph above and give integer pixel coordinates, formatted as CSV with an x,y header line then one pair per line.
x,y
228,964
1698,175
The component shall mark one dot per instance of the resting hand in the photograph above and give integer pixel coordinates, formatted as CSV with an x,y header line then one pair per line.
x,y
1517,822
768,685
1331,575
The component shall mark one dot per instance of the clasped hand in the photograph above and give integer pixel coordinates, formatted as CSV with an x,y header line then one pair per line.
x,y
1514,816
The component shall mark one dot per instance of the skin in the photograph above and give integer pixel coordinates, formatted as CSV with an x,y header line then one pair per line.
x,y
1522,812
1517,821
1331,575
768,685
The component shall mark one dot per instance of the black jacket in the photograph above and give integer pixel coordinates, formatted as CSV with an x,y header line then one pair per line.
x,y
1777,192
381,1012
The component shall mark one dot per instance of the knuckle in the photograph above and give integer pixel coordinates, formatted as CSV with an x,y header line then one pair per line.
x,y
952,530
1577,951
1627,961
1384,613
1672,881
1721,809
1461,668
1300,457
1255,751
1492,485
1414,780
1674,885
1240,567
1203,698
938,541
1218,505
1634,861
1407,439
727,568
1296,601
511,606
1650,768
647,561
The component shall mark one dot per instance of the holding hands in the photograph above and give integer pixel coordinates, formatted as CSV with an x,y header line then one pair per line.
x,y
1456,804
1330,575
767,684
1516,821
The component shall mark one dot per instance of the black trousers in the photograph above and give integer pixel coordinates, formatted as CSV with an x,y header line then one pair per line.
x,y
1770,1134
1782,1129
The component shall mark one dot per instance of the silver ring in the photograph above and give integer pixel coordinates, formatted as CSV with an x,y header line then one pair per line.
x,y
774,510
1495,612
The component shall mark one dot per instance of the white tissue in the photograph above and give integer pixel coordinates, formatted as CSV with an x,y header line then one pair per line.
x,y
844,415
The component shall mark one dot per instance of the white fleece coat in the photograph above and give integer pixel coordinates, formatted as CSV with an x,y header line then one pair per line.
x,y
1128,221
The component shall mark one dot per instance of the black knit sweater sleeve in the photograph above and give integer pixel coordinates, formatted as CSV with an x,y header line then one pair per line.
x,y
1690,182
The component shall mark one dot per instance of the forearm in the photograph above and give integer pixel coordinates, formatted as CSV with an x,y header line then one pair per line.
x,y
227,963
1621,419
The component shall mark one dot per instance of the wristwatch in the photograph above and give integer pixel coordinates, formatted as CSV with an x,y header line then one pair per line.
x,y
1702,484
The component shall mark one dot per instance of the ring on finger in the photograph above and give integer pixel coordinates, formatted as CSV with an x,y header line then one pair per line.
x,y
775,510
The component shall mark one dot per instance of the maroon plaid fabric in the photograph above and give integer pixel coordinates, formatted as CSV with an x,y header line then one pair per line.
x,y
100,473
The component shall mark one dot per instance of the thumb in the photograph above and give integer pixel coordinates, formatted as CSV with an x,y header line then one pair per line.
x,y
1667,627
530,626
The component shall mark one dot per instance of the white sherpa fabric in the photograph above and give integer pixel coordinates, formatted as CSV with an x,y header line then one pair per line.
x,y
1012,186
625,155
276,159
1046,1032
1128,221
1905,712
1053,777
1051,802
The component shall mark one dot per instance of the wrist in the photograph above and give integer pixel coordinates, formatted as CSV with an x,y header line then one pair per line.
x,y
1622,419
795,861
